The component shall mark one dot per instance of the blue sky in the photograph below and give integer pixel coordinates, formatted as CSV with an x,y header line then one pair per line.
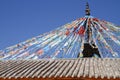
x,y
23,19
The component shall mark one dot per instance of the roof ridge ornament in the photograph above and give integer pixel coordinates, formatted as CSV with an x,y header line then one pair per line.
x,y
87,11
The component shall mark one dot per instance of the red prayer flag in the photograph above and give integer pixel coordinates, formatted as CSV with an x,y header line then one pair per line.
x,y
81,30
67,32
40,51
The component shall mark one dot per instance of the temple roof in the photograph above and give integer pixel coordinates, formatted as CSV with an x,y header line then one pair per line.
x,y
61,68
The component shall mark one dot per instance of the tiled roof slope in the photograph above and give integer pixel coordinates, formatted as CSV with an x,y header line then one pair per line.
x,y
61,68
